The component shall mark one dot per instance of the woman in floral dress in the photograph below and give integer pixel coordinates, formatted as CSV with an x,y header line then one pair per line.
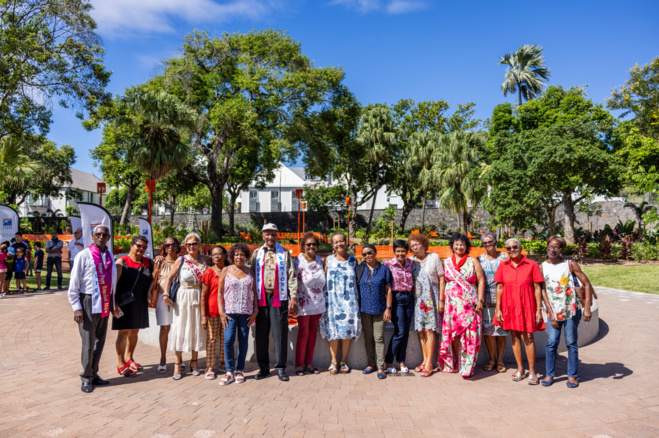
x,y
495,337
564,308
310,301
341,322
427,319
461,301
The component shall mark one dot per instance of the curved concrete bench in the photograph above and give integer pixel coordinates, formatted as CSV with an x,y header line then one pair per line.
x,y
357,354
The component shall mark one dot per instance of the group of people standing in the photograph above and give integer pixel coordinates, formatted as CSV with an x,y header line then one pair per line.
x,y
204,303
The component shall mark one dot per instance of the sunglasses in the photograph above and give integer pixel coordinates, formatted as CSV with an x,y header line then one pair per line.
x,y
170,245
488,243
192,244
138,246
309,245
369,253
102,234
512,248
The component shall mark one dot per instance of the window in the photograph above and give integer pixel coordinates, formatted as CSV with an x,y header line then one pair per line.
x,y
274,194
253,194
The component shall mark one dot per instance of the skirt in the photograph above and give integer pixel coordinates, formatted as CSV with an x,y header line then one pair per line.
x,y
186,333
136,314
164,313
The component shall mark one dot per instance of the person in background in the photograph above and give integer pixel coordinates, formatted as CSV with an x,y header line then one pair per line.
x,y
341,322
311,302
38,264
20,264
164,314
75,246
54,258
9,263
494,336
210,316
20,243
519,305
3,269
276,286
91,295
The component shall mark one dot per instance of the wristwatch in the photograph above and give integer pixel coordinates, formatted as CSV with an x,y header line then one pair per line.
x,y
388,307
481,301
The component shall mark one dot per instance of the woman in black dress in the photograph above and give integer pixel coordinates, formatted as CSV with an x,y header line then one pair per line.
x,y
134,272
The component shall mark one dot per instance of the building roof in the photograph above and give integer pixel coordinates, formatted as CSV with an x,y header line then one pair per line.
x,y
84,181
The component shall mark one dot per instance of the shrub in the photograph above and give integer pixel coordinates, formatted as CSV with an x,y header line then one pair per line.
x,y
645,251
534,246
616,251
594,251
569,250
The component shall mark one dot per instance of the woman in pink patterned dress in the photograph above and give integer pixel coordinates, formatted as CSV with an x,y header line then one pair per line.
x,y
461,300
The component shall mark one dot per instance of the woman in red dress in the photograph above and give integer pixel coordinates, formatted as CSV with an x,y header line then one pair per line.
x,y
519,305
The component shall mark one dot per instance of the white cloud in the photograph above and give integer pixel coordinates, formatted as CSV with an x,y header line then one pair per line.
x,y
393,7
118,17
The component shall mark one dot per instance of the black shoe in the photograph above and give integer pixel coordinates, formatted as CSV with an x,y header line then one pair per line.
x,y
262,374
60,287
282,375
46,288
87,387
99,382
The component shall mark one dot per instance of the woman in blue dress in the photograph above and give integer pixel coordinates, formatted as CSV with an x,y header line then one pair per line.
x,y
341,323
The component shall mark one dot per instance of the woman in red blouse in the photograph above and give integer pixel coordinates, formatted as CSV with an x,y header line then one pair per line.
x,y
519,305
210,315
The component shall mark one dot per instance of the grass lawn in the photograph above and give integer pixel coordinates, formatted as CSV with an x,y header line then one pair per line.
x,y
32,283
635,278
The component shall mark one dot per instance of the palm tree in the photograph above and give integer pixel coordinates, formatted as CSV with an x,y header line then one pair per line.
x,y
423,149
377,131
639,211
16,166
456,160
526,72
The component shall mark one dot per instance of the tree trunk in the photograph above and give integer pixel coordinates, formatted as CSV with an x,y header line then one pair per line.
x,y
519,94
172,210
570,217
232,212
552,224
375,195
352,211
127,205
423,212
465,221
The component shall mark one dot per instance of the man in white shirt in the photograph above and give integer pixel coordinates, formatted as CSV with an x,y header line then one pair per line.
x,y
91,294
75,246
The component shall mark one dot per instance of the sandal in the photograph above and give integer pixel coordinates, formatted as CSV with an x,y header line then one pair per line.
x,y
162,369
345,369
308,368
299,371
501,368
489,366
240,378
404,370
178,375
195,371
391,370
125,371
426,373
228,378
134,365
517,376
332,368
533,379
210,374
419,369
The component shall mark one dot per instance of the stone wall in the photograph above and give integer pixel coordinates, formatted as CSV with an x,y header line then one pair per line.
x,y
612,212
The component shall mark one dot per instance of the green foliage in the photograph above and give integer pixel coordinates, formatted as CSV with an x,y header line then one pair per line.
x,y
48,50
645,251
382,226
322,199
536,247
525,73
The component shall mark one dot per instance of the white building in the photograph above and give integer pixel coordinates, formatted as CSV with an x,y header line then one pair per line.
x,y
279,194
83,182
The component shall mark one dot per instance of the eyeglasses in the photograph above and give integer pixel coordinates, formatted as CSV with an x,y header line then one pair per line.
x,y
217,255
192,244
102,234
309,245
512,248
554,248
138,246
366,254
170,245
488,243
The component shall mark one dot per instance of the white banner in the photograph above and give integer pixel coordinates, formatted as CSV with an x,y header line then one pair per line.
x,y
9,218
76,223
92,215
145,230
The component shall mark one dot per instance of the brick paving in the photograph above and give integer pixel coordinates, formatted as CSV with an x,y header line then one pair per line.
x,y
40,389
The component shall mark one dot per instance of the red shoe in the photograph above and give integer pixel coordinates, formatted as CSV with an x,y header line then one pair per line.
x,y
125,371
134,366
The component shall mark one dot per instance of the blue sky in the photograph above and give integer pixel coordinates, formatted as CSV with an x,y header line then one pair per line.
x,y
389,49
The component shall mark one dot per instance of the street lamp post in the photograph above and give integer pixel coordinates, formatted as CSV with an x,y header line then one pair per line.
x,y
348,205
298,196
150,188
304,213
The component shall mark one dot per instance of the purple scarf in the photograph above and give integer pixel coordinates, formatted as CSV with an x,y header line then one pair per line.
x,y
103,286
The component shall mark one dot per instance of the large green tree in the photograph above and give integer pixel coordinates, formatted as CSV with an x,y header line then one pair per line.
x,y
48,50
248,89
526,72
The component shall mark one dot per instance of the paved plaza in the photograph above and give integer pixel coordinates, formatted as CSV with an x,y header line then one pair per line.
x,y
40,389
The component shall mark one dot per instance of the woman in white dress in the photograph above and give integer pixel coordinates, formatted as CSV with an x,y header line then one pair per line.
x,y
164,314
187,334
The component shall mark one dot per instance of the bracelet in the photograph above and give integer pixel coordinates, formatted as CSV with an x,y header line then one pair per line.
x,y
165,295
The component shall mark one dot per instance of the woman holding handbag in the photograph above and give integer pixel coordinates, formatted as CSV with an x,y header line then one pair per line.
x,y
164,314
134,280
187,333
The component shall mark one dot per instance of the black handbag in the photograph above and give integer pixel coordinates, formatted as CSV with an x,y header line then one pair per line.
x,y
173,289
128,296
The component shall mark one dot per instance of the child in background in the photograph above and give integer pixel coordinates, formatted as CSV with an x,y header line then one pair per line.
x,y
38,264
20,264
3,270
9,263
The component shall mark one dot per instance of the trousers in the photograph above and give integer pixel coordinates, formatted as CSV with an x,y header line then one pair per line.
x,y
273,319
401,317
93,329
